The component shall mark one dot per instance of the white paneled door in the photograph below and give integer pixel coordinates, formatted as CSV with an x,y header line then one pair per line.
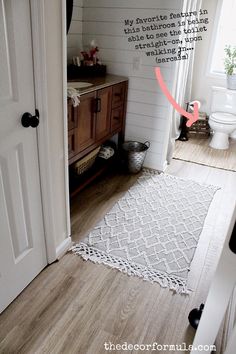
x,y
22,243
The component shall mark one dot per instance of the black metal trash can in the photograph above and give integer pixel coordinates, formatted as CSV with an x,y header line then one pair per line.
x,y
135,153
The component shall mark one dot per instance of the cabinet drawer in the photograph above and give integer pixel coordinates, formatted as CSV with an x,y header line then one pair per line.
x,y
116,118
71,115
71,143
118,94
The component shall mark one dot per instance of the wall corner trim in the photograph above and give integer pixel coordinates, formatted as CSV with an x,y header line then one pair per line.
x,y
40,72
165,165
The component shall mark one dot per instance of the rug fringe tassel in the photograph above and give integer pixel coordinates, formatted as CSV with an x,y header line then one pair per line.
x,y
96,256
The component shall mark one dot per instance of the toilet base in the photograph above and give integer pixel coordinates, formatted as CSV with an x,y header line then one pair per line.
x,y
219,141
233,135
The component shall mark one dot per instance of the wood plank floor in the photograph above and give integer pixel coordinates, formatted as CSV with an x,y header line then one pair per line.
x,y
75,306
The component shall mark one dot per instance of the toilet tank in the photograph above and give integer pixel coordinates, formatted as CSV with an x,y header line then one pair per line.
x,y
223,100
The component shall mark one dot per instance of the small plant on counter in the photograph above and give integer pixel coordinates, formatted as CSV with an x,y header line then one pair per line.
x,y
90,58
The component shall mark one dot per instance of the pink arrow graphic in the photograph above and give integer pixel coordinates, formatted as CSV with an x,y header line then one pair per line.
x,y
192,118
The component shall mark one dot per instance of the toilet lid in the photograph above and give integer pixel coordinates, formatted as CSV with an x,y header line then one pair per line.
x,y
225,118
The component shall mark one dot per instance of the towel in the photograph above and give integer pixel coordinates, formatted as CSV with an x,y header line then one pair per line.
x,y
74,95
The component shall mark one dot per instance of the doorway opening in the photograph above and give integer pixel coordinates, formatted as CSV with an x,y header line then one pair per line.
x,y
89,205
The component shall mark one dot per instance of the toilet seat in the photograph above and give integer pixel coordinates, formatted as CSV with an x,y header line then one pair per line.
x,y
223,117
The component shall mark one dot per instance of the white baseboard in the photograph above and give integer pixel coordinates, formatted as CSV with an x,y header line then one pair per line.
x,y
63,247
157,167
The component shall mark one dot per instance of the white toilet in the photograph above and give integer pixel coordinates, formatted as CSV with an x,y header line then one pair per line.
x,y
223,117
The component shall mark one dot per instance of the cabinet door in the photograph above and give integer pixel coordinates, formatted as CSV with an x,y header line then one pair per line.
x,y
85,130
71,143
71,116
103,118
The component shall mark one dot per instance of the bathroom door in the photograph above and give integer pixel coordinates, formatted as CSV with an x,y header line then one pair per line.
x,y
221,290
22,244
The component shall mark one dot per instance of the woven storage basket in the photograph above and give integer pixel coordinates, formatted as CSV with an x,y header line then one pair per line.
x,y
86,162
200,128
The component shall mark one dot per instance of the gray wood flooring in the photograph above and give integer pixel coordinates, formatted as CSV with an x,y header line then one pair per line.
x,y
75,306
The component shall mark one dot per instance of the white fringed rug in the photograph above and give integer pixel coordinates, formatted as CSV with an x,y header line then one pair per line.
x,y
153,231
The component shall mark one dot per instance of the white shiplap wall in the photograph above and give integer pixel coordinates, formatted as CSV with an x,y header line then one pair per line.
x,y
74,37
148,110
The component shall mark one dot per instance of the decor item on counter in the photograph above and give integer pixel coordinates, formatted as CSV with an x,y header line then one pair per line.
x,y
230,67
86,162
79,72
135,153
74,95
87,64
90,58
87,60
106,152
76,61
152,232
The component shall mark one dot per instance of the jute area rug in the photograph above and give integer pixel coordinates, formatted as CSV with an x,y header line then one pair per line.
x,y
152,232
199,151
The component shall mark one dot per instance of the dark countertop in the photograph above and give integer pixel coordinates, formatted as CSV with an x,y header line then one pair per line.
x,y
99,82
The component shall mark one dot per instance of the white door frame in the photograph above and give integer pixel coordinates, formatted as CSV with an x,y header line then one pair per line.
x,y
64,83
218,298
40,76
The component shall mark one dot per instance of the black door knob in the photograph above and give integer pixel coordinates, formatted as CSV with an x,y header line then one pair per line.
x,y
195,316
27,120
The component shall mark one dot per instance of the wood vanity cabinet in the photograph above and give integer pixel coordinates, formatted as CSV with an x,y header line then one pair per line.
x,y
100,115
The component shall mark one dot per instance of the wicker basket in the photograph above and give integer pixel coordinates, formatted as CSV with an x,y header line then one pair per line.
x,y
86,162
200,128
